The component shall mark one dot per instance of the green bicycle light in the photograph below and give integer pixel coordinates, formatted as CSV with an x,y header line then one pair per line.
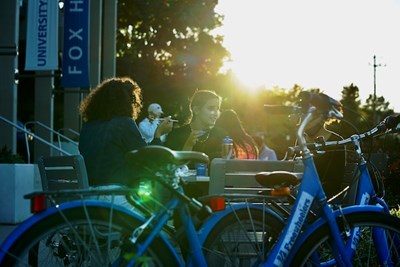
x,y
145,189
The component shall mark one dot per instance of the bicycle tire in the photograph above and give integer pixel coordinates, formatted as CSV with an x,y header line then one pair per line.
x,y
242,238
366,254
79,238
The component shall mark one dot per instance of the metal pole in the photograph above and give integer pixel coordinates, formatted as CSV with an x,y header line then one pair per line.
x,y
374,99
109,38
9,21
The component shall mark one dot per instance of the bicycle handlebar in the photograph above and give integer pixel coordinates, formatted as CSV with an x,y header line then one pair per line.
x,y
391,121
389,124
323,103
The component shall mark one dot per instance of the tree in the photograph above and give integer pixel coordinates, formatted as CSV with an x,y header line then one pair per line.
x,y
381,109
353,116
169,48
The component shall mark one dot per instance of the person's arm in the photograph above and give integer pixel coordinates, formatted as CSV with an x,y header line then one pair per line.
x,y
191,140
131,135
163,128
147,129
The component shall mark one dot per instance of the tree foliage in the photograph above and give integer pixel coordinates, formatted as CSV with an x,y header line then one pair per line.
x,y
168,47
353,115
376,108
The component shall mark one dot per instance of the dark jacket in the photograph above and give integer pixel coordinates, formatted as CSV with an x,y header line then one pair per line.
x,y
104,145
210,144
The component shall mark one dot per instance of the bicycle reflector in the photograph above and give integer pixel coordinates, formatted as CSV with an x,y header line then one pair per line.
x,y
38,203
282,191
217,203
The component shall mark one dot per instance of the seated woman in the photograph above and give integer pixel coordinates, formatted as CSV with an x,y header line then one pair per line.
x,y
244,146
198,132
110,131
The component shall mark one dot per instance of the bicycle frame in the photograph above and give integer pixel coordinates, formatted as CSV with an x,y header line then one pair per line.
x,y
365,195
311,191
366,191
155,223
320,222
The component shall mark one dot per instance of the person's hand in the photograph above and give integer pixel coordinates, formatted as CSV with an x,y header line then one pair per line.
x,y
197,134
164,127
151,117
193,139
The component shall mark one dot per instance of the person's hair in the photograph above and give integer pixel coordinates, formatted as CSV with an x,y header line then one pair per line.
x,y
200,98
112,97
231,124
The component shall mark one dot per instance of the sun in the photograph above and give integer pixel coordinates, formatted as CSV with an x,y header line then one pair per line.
x,y
251,79
247,45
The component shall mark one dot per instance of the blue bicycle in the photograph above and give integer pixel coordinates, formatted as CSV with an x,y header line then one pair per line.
x,y
89,232
363,189
317,246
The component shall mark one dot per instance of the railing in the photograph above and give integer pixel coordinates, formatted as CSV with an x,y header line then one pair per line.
x,y
58,133
30,135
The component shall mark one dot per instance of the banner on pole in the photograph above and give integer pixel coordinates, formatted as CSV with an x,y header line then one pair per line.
x,y
42,35
75,63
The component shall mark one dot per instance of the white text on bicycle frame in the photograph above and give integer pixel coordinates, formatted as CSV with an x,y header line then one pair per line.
x,y
299,217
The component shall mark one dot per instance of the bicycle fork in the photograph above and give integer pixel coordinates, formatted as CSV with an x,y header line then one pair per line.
x,y
344,252
338,246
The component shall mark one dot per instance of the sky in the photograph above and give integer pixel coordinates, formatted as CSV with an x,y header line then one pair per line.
x,y
324,44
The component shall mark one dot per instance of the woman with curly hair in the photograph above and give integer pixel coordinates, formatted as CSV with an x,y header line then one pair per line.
x,y
110,131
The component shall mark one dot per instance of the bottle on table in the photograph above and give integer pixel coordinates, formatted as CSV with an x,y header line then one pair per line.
x,y
227,148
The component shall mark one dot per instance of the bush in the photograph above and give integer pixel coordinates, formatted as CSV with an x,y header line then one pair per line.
x,y
7,157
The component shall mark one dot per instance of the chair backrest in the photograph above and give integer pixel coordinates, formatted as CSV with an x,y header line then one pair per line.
x,y
238,176
63,172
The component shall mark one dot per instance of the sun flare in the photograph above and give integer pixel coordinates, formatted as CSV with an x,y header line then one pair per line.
x,y
313,43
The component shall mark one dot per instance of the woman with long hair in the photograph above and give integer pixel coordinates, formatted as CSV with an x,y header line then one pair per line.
x,y
244,146
204,107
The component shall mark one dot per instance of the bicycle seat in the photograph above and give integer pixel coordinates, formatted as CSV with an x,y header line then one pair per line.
x,y
277,179
161,155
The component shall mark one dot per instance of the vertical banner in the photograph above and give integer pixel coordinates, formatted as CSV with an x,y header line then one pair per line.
x,y
42,35
75,63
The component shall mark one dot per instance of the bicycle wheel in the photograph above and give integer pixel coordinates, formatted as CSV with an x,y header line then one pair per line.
x,y
369,251
97,236
242,238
